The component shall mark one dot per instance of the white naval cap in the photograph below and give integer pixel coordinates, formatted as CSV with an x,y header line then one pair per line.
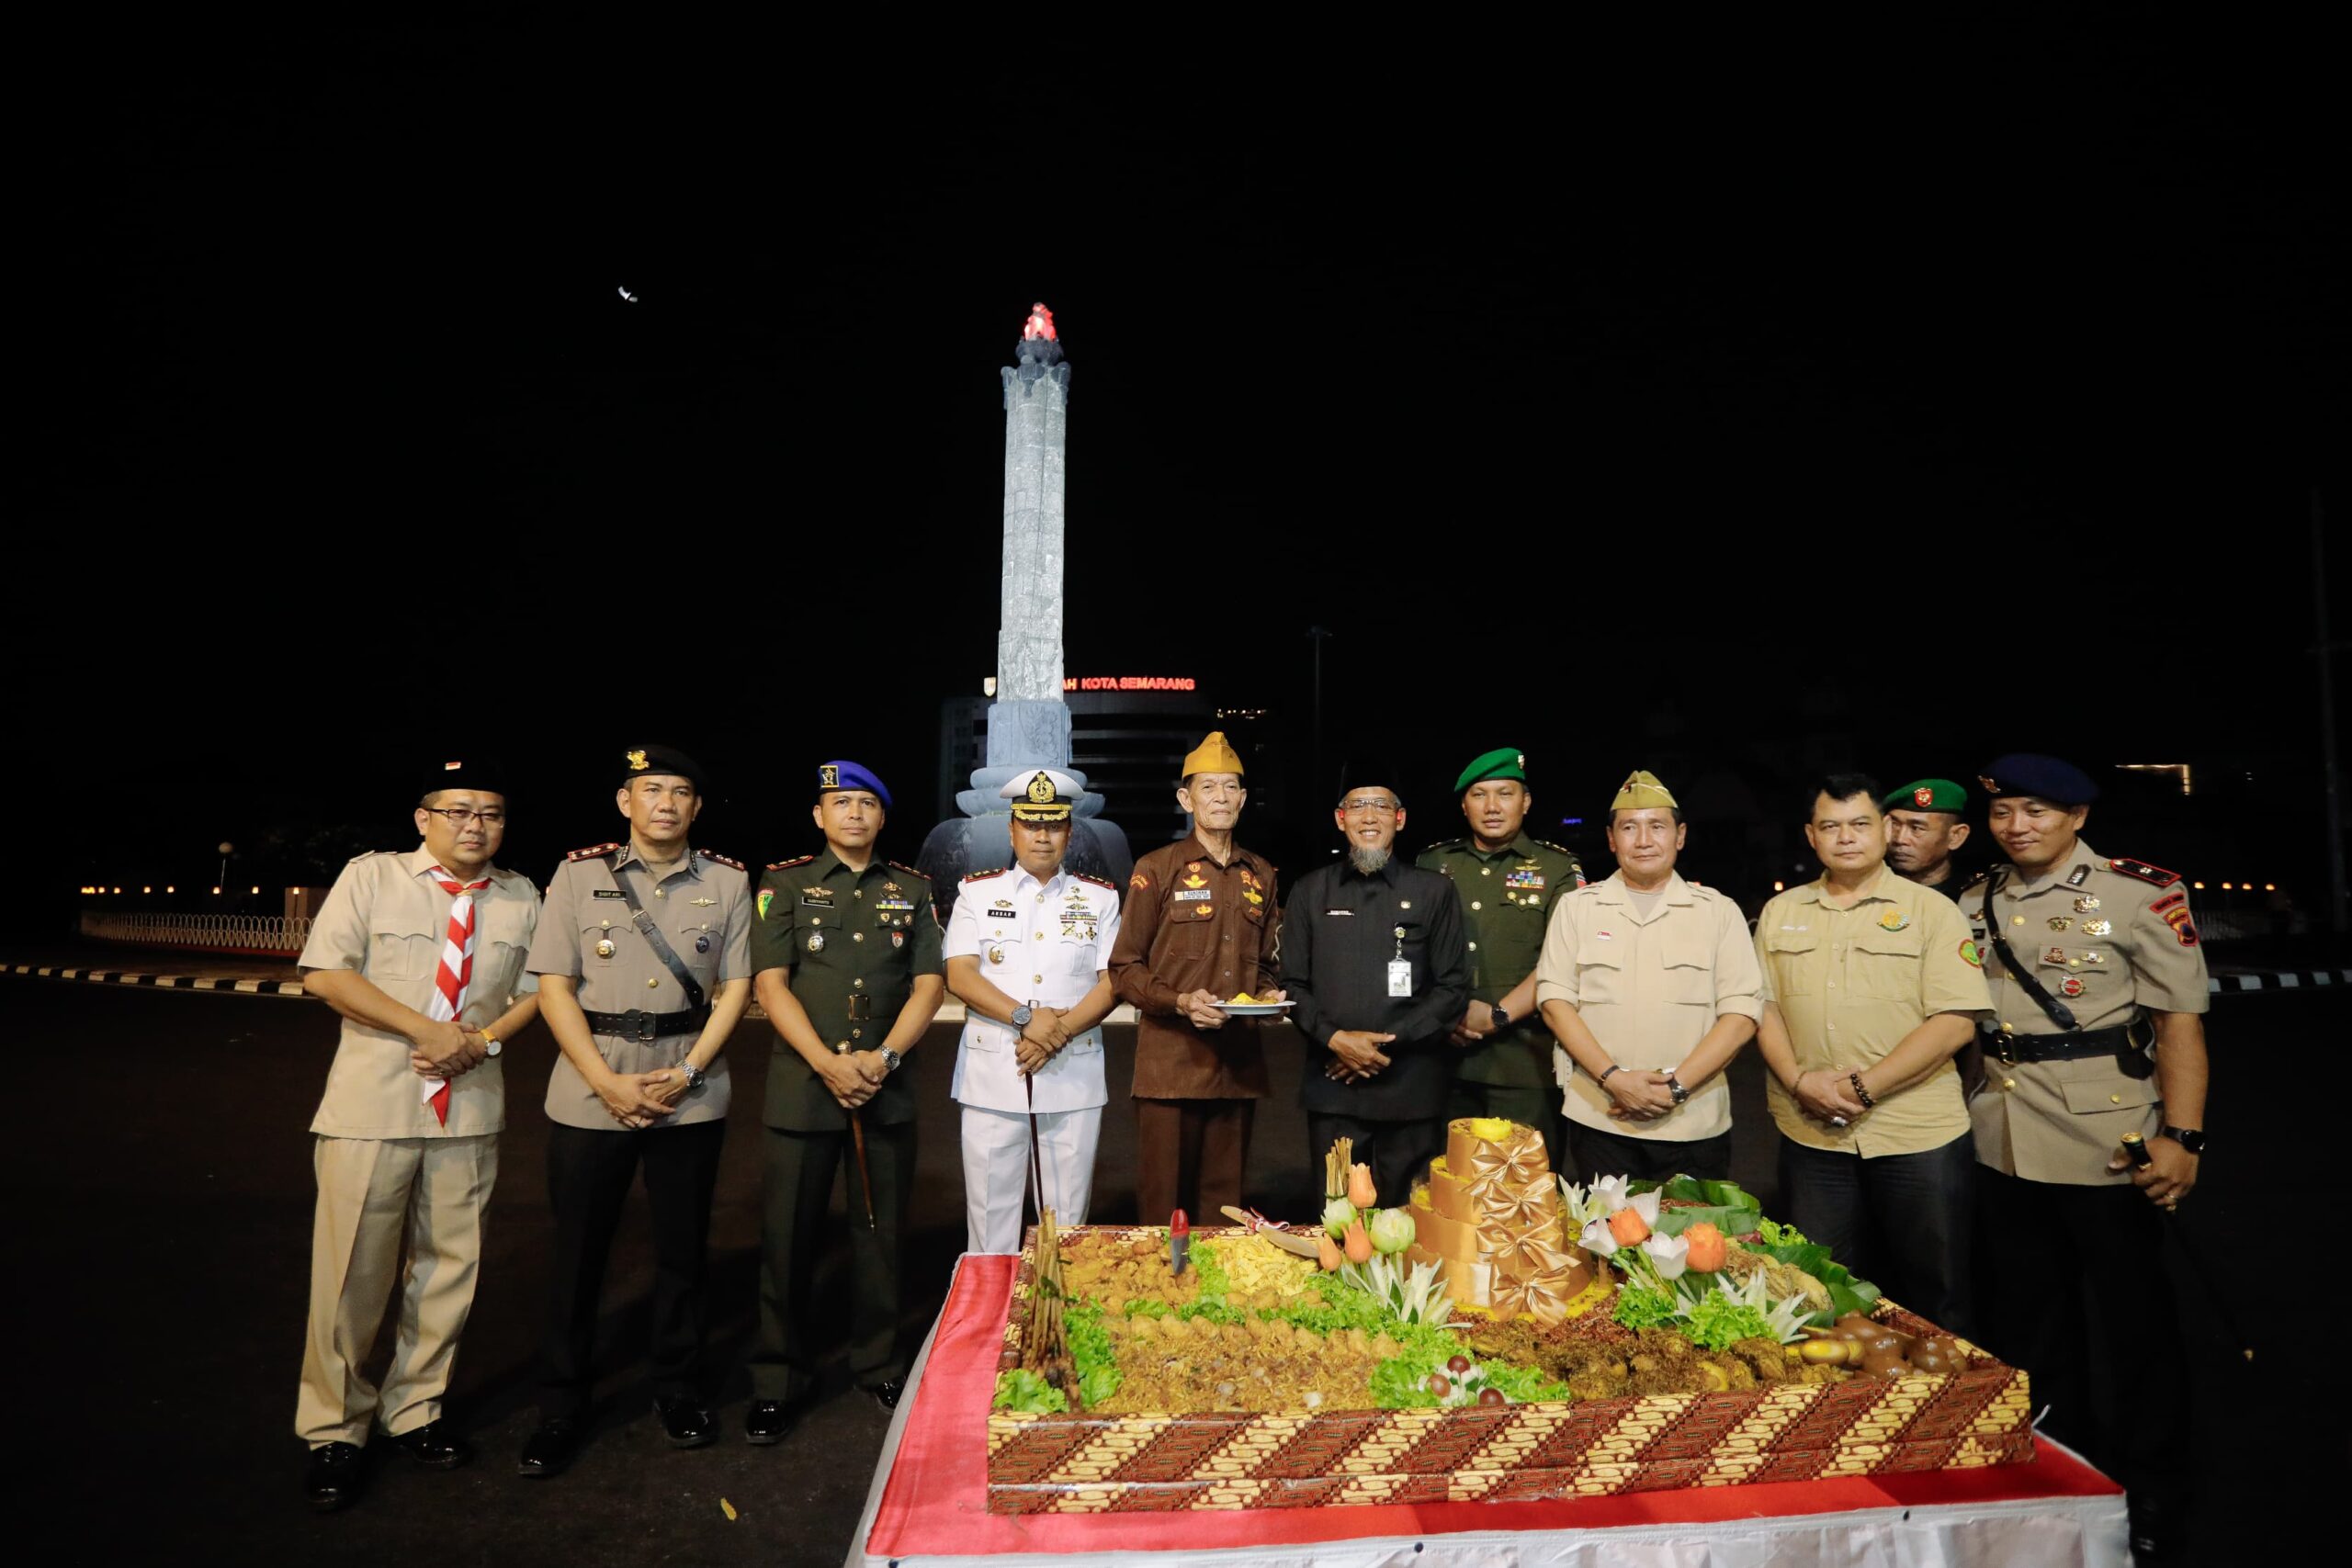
x,y
1041,794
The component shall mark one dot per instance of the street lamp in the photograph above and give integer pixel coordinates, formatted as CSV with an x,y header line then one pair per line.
x,y
227,849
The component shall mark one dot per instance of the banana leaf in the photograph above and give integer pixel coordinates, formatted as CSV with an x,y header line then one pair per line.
x,y
1848,1293
1726,1205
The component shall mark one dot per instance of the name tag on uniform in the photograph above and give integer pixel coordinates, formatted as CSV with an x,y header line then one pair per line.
x,y
1400,976
1339,911
607,892
817,897
1002,914
1188,894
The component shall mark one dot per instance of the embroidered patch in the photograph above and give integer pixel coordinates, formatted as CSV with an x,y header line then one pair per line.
x,y
1894,921
1969,955
2168,901
2184,930
767,897
1138,880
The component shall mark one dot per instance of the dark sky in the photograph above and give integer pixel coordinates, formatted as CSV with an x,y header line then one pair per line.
x,y
1755,402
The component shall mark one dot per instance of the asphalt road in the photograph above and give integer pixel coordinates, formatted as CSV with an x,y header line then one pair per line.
x,y
162,1163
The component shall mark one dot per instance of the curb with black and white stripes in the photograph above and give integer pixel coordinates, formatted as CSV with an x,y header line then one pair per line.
x,y
2280,980
160,982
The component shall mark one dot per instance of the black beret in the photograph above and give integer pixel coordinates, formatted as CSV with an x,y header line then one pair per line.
x,y
638,761
2045,778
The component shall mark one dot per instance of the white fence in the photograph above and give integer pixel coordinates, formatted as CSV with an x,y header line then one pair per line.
x,y
268,933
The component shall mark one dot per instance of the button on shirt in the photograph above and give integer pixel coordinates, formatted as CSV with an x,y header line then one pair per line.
x,y
387,918
1045,944
1191,924
2110,946
703,909
1339,935
1648,985
1851,984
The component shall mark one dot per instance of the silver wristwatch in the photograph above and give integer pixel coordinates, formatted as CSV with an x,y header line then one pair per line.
x,y
891,1060
1021,1015
694,1074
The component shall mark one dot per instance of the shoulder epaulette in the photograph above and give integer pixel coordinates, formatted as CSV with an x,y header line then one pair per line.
x,y
1443,845
591,852
2144,871
984,875
901,866
1555,849
1096,880
789,864
715,855
1974,880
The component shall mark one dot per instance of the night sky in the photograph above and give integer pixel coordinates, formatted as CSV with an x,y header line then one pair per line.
x,y
1737,407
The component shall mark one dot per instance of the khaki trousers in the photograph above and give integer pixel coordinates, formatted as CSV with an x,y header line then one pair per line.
x,y
374,1195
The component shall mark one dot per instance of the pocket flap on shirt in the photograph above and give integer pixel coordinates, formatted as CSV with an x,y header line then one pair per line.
x,y
2108,1091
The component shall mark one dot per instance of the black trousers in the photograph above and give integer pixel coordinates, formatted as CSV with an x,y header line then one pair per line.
x,y
1536,1108
589,1174
1905,1222
1593,1153
1396,1151
797,1188
2072,1287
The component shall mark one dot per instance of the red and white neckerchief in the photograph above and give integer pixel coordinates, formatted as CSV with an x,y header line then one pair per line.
x,y
454,975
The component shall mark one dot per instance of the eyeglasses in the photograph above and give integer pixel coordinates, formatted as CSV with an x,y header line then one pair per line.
x,y
460,816
1367,806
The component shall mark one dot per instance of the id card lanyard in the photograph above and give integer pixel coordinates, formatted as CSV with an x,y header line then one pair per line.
x,y
1400,969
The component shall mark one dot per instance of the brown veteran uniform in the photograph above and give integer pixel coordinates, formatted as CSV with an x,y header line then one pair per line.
x,y
855,942
388,1171
1189,924
1891,1200
1649,983
642,1020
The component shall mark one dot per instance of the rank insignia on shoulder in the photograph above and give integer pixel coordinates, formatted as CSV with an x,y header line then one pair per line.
x,y
789,864
1138,880
1097,881
984,875
911,871
715,856
591,852
2144,871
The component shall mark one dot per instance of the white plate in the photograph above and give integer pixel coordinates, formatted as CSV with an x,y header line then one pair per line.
x,y
1253,1009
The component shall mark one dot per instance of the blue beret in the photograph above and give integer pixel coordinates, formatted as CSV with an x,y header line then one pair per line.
x,y
2045,778
832,776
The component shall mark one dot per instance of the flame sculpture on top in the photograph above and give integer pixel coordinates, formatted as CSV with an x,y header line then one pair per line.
x,y
1041,324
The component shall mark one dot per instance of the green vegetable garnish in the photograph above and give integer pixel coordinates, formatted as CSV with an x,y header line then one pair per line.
x,y
1021,1389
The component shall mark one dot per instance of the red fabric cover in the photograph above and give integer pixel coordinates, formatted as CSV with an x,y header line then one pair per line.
x,y
936,1500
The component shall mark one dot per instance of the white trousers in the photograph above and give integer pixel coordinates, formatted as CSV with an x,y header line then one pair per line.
x,y
996,1172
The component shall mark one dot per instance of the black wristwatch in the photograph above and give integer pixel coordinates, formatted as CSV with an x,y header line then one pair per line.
x,y
2189,1138
1673,1087
1021,1015
1502,1017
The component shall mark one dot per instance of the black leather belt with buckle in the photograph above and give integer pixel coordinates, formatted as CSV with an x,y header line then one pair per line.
x,y
2127,1043
635,1024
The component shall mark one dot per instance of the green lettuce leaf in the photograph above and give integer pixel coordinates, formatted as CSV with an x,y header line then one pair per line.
x,y
1021,1389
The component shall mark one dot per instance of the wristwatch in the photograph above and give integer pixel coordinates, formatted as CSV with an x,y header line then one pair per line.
x,y
891,1060
1673,1087
1502,1017
489,1045
1021,1015
694,1074
2189,1138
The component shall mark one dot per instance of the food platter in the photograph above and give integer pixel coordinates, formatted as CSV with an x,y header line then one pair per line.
x,y
1254,1010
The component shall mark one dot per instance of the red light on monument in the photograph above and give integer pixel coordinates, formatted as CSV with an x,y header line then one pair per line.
x,y
1040,324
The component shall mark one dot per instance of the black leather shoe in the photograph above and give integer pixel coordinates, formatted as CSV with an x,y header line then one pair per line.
x,y
332,1478
434,1446
685,1423
766,1421
886,1392
2147,1530
548,1450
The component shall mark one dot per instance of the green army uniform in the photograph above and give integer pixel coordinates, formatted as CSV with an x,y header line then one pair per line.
x,y
1507,900
855,942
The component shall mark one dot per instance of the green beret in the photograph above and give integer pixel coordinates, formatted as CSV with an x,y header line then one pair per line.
x,y
1927,794
1505,763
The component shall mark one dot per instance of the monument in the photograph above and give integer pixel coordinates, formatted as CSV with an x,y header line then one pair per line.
x,y
1028,725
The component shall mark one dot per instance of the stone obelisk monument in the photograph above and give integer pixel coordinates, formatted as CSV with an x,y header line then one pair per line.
x,y
1028,724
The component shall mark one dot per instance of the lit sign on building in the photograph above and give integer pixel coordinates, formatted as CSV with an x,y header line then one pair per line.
x,y
1128,684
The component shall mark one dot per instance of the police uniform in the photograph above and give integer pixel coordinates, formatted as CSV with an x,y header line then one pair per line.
x,y
1045,944
645,953
855,942
1507,898
400,1182
2107,941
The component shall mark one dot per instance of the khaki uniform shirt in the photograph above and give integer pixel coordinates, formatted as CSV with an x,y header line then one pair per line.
x,y
1648,988
1190,924
1851,984
1045,944
385,919
855,941
703,909
2123,943
1505,898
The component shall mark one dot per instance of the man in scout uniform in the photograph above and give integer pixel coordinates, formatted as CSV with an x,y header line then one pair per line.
x,y
845,962
1375,955
1925,825
643,955
1200,926
1868,993
2099,983
1028,953
422,954
1508,882
1650,987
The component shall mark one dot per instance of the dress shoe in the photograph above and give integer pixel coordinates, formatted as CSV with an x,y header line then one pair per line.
x,y
685,1423
2147,1530
331,1479
548,1450
886,1393
434,1446
766,1421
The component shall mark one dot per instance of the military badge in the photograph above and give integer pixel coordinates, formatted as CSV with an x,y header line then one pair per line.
x,y
1894,921
1970,956
2097,927
636,760
2086,904
828,776
898,939
2056,956
2072,985
767,897
1923,797
2059,922
816,941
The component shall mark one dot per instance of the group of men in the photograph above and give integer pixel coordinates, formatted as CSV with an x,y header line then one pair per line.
x,y
1952,1065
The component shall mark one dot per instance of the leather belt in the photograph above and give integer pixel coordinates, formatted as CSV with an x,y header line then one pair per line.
x,y
635,1024
2127,1043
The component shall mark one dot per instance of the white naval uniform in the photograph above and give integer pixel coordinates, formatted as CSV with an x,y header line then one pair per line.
x,y
1046,944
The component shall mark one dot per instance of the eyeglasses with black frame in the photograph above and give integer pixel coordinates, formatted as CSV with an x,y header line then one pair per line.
x,y
460,816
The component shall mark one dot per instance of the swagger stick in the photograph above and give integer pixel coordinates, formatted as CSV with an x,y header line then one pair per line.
x,y
2135,1149
1036,1162
857,1139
